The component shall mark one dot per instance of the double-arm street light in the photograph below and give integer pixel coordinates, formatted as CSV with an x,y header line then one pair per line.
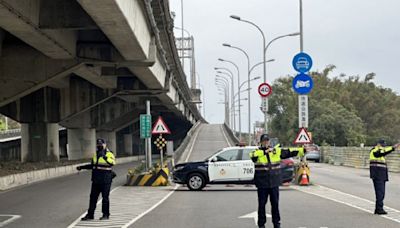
x,y
238,77
248,84
226,71
264,48
229,79
223,87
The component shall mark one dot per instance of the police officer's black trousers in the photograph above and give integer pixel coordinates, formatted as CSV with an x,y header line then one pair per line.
x,y
379,186
263,194
104,189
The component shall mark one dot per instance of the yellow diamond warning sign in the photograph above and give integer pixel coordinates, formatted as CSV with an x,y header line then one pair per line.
x,y
160,127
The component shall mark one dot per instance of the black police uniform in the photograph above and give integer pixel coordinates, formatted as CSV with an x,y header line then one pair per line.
x,y
102,176
379,173
267,178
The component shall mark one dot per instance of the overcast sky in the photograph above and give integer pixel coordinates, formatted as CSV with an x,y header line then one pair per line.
x,y
358,36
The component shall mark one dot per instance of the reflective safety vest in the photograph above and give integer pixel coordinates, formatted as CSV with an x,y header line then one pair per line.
x,y
377,162
100,163
267,164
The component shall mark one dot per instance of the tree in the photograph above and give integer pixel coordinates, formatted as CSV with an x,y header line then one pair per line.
x,y
344,110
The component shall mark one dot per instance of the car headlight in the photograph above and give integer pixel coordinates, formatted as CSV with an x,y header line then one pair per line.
x,y
178,168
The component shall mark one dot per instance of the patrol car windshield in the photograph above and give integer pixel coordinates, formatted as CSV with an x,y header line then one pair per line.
x,y
209,157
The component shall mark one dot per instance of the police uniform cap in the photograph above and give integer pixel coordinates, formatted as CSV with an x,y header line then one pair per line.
x,y
382,142
100,141
264,137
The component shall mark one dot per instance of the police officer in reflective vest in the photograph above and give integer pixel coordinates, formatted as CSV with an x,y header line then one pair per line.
x,y
267,176
102,175
379,172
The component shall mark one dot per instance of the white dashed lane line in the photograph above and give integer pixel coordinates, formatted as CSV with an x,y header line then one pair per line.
x,y
348,199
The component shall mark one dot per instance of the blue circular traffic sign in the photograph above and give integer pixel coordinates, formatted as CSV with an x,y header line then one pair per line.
x,y
302,84
302,62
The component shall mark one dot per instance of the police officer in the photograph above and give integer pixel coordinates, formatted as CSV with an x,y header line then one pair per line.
x,y
102,175
379,172
267,176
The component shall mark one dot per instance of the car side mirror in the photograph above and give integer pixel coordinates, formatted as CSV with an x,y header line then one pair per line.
x,y
214,159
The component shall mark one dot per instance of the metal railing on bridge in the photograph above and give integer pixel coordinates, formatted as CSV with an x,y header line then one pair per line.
x,y
10,133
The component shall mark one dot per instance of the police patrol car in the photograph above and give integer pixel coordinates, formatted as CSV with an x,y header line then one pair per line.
x,y
231,165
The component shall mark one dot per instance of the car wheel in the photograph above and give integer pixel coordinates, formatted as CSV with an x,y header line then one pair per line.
x,y
196,182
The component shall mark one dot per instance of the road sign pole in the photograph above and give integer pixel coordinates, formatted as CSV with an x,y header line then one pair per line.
x,y
301,50
148,141
162,158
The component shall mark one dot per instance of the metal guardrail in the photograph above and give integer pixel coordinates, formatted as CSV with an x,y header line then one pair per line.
x,y
231,135
10,133
179,151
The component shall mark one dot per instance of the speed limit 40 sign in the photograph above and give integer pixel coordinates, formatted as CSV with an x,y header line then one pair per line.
x,y
264,89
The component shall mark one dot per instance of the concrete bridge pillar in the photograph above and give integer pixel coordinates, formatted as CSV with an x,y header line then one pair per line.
x,y
81,143
110,138
128,144
40,142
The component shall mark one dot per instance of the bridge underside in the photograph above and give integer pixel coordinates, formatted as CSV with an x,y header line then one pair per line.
x,y
89,66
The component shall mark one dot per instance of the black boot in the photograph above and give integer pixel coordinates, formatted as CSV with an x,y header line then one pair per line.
x,y
87,218
105,217
380,212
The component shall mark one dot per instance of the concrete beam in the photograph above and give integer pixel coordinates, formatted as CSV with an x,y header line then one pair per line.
x,y
93,75
61,14
25,70
21,18
124,23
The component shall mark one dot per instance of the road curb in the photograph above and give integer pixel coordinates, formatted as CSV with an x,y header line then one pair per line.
x,y
16,180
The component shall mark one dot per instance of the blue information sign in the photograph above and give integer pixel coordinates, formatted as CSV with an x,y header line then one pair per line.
x,y
302,62
302,84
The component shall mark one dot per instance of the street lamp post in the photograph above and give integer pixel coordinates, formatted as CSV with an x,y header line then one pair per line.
x,y
258,64
264,63
248,85
225,87
238,74
230,74
264,59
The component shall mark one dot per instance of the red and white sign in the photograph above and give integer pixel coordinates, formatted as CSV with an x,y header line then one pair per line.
x,y
264,89
303,137
160,127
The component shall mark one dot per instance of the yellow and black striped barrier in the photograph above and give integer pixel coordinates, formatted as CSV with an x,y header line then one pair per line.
x,y
158,178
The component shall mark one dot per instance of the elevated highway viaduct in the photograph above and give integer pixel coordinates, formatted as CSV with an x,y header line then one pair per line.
x,y
89,66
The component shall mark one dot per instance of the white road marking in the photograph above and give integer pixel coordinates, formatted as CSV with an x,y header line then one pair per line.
x,y
253,215
348,199
10,220
123,209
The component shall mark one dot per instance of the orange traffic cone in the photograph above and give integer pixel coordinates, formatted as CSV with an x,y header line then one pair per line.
x,y
304,178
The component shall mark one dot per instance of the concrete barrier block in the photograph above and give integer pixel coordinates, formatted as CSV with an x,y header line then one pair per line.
x,y
15,180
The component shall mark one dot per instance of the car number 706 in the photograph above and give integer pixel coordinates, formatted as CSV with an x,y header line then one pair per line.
x,y
248,170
